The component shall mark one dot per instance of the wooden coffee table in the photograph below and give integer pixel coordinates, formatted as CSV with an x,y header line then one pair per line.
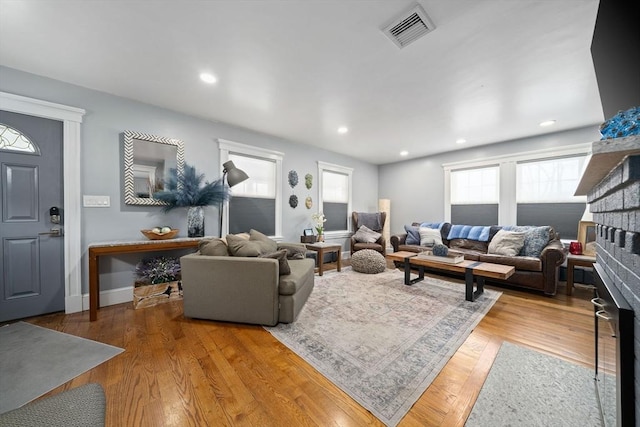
x,y
474,271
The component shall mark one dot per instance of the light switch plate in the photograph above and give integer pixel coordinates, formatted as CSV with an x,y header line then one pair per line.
x,y
96,201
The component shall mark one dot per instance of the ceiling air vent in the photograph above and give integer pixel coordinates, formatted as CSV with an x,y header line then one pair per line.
x,y
409,27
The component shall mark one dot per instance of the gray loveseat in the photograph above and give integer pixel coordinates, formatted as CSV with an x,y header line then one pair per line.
x,y
538,271
228,286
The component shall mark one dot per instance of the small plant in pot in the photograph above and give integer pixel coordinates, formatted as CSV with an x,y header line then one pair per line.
x,y
190,190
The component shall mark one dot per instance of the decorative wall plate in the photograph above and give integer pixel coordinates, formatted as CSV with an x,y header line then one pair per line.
x,y
308,181
308,202
293,201
293,178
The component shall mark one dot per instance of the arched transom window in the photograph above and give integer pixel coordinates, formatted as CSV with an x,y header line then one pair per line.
x,y
14,140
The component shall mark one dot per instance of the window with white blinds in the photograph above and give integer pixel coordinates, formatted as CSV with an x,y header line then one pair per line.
x,y
255,203
549,180
475,186
262,176
335,196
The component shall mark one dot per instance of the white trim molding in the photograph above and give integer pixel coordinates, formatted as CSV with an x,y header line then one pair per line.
x,y
71,117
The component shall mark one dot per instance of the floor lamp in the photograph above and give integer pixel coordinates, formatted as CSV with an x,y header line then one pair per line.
x,y
234,176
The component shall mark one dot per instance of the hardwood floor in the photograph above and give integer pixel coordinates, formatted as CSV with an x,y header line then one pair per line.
x,y
184,372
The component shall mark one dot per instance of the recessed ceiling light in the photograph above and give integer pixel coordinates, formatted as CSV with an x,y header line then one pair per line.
x,y
460,141
547,123
343,129
208,78
404,153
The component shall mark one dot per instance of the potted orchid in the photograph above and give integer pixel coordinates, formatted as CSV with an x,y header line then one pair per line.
x,y
319,220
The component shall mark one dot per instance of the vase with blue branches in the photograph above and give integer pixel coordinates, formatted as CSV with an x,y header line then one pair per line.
x,y
189,189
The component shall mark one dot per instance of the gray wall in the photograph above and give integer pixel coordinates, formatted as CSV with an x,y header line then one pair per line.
x,y
108,116
416,187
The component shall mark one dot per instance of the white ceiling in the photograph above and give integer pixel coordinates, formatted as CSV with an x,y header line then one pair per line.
x,y
299,69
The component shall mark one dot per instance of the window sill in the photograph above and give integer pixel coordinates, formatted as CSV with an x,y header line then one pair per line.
x,y
337,234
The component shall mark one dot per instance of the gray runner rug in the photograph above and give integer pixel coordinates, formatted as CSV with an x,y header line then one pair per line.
x,y
35,360
528,388
380,341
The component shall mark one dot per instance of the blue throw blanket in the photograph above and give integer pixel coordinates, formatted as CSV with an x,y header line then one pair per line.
x,y
370,220
480,233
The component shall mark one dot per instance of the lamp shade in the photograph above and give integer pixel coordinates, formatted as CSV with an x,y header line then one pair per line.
x,y
234,175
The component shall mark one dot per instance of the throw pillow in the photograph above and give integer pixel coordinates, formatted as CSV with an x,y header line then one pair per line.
x,y
535,240
281,256
294,250
242,247
413,235
366,235
506,243
430,236
265,242
213,247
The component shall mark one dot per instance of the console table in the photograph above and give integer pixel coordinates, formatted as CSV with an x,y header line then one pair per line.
x,y
96,250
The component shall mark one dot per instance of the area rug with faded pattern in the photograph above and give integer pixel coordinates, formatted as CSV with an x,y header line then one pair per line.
x,y
35,360
380,341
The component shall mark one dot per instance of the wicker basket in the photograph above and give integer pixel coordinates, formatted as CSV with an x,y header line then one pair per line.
x,y
151,235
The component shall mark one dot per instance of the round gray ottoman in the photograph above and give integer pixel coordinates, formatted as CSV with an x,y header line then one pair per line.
x,y
368,261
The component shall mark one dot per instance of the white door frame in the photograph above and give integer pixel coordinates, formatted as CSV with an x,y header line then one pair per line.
x,y
71,118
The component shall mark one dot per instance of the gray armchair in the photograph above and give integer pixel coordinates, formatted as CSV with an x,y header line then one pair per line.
x,y
244,289
379,245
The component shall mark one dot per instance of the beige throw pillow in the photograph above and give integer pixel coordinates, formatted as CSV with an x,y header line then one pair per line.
x,y
429,236
267,245
366,235
242,247
213,247
506,243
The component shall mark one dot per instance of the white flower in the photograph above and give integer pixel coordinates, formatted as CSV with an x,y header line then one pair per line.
x,y
319,219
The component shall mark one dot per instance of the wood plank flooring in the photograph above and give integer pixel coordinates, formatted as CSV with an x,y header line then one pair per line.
x,y
184,372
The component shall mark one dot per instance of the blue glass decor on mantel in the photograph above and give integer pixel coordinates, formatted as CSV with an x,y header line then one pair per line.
x,y
625,123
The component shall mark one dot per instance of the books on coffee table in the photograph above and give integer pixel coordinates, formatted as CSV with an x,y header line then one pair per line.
x,y
449,259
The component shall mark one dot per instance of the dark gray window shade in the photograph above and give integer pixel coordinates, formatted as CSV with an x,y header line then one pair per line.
x,y
486,214
246,213
564,217
336,214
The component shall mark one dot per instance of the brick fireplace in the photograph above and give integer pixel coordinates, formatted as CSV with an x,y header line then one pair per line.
x,y
612,184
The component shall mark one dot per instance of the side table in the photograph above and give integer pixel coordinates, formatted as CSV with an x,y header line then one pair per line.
x,y
577,261
321,248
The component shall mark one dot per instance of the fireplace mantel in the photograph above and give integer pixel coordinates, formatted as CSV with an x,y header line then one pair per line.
x,y
605,156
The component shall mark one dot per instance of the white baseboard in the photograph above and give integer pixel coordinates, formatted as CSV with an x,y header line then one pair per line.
x,y
111,297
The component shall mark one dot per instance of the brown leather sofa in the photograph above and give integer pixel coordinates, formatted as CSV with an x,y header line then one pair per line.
x,y
538,273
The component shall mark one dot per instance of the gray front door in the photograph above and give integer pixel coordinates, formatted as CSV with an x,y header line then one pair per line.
x,y
32,265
